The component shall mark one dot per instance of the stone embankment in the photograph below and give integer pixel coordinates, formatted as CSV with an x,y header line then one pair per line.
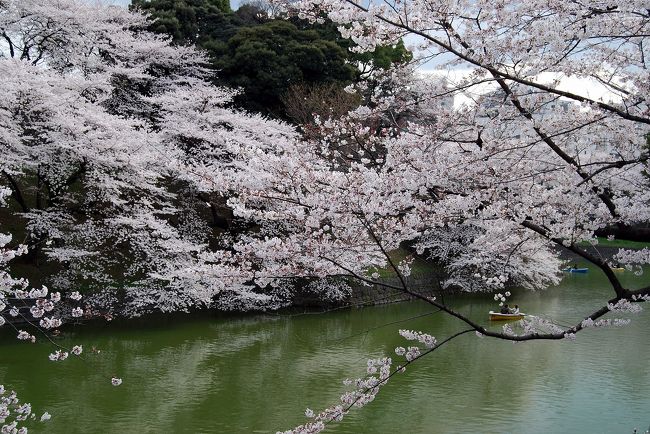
x,y
364,295
428,284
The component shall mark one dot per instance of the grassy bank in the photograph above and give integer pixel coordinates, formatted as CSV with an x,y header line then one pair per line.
x,y
619,244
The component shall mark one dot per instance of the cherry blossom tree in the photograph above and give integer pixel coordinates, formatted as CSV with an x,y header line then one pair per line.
x,y
488,188
36,310
494,189
100,123
117,148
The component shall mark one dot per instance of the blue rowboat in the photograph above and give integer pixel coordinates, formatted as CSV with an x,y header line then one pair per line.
x,y
576,270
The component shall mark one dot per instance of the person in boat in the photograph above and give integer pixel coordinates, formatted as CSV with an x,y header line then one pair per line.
x,y
505,309
516,309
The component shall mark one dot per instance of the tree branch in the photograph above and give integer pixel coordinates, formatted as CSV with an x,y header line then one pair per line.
x,y
604,197
15,192
604,266
502,74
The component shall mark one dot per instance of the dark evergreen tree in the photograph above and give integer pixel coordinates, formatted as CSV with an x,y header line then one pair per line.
x,y
265,56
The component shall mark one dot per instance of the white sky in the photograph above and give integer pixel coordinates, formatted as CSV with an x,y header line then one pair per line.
x,y
586,87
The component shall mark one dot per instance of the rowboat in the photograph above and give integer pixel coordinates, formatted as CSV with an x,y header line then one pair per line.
x,y
498,316
617,269
576,270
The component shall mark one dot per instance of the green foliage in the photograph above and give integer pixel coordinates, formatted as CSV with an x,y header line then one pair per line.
x,y
266,60
617,243
190,21
383,57
263,56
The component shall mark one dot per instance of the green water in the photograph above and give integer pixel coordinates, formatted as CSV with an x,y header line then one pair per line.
x,y
259,373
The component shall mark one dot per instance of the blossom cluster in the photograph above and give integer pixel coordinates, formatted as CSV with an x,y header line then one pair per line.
x,y
624,305
364,391
501,298
13,413
633,257
535,324
617,322
426,339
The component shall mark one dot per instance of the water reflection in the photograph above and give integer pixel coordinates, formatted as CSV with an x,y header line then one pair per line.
x,y
259,373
